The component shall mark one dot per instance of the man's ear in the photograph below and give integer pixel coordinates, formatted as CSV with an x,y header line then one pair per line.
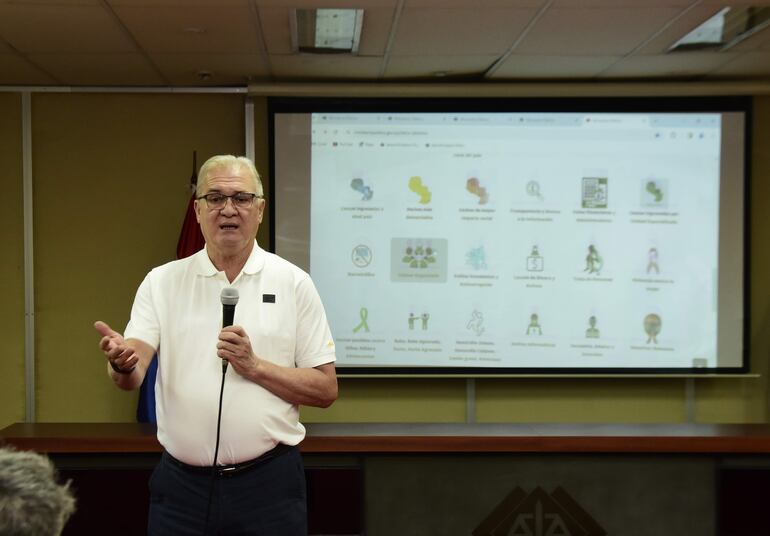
x,y
197,207
262,209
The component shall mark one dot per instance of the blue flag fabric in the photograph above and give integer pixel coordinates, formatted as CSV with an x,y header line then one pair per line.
x,y
145,409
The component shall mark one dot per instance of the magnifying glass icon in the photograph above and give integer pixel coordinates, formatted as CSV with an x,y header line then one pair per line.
x,y
533,189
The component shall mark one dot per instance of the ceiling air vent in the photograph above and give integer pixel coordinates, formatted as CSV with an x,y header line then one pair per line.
x,y
327,31
725,29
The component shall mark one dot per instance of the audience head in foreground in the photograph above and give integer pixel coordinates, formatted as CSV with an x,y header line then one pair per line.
x,y
32,503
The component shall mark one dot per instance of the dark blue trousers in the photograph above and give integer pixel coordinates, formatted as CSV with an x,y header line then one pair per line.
x,y
267,500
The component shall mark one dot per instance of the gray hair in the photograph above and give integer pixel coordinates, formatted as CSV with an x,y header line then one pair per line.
x,y
32,503
227,161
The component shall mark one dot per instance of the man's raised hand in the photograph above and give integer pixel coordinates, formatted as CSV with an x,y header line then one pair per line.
x,y
114,347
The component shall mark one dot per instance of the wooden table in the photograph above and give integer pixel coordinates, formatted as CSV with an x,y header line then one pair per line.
x,y
105,438
120,457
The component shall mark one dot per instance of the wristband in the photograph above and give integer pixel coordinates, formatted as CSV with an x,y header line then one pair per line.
x,y
120,370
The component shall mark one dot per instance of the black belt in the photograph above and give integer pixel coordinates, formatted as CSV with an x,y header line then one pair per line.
x,y
232,469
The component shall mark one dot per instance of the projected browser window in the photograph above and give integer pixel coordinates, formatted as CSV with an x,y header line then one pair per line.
x,y
518,240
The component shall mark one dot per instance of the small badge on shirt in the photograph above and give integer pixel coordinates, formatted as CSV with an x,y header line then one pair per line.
x,y
268,298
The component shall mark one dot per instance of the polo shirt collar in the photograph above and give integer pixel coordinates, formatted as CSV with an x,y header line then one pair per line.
x,y
254,263
256,260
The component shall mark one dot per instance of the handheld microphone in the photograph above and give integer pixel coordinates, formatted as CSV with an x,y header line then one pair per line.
x,y
229,298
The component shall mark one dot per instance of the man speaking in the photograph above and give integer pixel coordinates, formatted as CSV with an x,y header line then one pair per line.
x,y
245,474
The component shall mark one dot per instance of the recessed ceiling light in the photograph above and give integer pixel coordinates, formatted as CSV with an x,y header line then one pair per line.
x,y
194,30
727,28
327,31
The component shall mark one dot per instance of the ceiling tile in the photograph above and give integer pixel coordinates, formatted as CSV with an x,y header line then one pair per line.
x,y
16,71
80,42
621,3
326,4
55,2
427,66
519,66
458,31
99,69
477,4
375,32
748,64
220,29
225,69
184,4
682,64
584,32
35,28
317,67
737,3
276,29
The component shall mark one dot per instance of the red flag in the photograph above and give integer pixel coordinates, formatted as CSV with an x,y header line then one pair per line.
x,y
190,239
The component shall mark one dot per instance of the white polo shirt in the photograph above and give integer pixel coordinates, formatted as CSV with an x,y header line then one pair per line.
x,y
178,312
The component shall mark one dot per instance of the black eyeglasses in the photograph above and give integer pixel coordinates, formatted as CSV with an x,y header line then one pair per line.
x,y
217,201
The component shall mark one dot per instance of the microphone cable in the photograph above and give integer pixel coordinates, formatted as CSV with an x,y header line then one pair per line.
x,y
229,299
216,448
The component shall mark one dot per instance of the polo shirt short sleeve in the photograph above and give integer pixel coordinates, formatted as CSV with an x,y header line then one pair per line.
x,y
178,312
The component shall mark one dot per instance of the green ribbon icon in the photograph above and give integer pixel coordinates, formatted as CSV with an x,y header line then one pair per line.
x,y
364,313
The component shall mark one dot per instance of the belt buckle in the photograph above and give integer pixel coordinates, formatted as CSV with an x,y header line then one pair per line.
x,y
225,471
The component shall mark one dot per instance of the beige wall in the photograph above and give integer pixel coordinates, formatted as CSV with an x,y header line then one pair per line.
x,y
111,175
110,189
11,262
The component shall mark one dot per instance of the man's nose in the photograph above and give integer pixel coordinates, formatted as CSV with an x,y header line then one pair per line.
x,y
229,207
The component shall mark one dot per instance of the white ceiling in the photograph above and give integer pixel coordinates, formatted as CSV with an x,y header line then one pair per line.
x,y
169,42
